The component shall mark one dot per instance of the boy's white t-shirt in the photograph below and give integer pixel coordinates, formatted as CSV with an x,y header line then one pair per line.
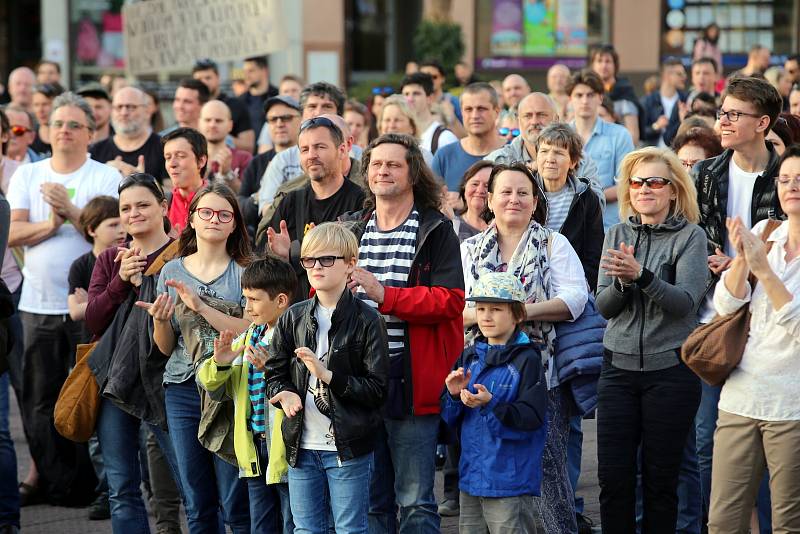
x,y
445,138
45,287
317,427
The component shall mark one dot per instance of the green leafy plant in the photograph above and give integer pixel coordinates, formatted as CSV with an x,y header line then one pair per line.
x,y
439,40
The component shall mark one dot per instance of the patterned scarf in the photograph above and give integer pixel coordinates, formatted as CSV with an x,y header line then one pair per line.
x,y
530,263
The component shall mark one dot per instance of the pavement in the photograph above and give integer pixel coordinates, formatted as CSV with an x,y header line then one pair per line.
x,y
46,519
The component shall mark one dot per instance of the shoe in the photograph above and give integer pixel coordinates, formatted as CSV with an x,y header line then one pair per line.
x,y
449,508
100,509
29,495
585,525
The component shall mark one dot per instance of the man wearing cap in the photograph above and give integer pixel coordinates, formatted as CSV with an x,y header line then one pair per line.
x,y
283,120
133,147
99,100
242,132
225,164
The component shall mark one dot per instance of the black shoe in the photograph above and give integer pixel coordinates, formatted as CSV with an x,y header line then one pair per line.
x,y
100,509
29,495
584,524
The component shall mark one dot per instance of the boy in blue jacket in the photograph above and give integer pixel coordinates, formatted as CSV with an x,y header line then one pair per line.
x,y
497,398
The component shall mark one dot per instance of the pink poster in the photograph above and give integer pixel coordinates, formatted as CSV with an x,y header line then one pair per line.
x,y
507,36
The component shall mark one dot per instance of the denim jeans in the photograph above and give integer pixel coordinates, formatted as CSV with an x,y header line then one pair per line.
x,y
265,500
705,424
206,480
118,434
403,475
322,485
574,452
9,494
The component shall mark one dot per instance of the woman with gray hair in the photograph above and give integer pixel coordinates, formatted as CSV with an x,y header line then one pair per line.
x,y
573,210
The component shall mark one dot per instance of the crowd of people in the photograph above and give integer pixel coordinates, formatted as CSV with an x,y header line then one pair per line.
x,y
296,306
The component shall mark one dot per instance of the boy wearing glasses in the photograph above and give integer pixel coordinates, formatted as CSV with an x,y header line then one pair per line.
x,y
740,182
328,370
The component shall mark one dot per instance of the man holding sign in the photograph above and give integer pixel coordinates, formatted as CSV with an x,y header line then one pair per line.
x,y
46,200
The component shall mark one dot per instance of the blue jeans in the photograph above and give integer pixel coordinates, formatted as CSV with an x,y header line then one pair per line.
x,y
266,503
403,474
206,480
574,452
9,494
318,476
705,424
118,436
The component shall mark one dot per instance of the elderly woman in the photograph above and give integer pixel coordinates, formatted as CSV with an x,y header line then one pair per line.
x,y
759,416
573,209
518,241
652,279
696,144
397,117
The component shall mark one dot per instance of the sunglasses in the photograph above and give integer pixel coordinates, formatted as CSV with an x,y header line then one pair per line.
x,y
325,261
385,91
19,131
143,179
319,121
505,131
282,118
653,182
223,216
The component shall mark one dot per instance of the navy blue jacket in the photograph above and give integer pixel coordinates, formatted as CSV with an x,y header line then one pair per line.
x,y
653,109
502,442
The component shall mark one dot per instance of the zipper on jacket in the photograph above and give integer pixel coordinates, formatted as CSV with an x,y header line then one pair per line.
x,y
641,300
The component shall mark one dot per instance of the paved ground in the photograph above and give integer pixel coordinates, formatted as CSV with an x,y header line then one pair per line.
x,y
46,519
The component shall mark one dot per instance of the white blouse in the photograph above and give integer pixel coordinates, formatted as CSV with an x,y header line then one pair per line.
x,y
766,384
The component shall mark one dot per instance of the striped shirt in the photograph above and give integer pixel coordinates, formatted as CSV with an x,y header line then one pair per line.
x,y
256,385
558,204
388,256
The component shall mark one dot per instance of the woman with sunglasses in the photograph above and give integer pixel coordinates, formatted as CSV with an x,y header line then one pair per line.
x,y
518,241
508,125
213,251
42,104
120,276
652,279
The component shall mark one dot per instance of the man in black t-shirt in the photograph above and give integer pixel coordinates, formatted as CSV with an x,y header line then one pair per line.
x,y
328,195
134,147
256,75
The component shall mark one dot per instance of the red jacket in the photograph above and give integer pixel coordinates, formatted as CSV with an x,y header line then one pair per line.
x,y
432,306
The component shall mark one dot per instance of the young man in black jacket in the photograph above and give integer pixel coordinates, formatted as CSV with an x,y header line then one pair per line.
x,y
663,109
739,182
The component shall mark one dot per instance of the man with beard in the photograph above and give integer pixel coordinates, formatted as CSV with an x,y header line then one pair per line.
x,y
225,164
535,112
256,76
323,150
134,147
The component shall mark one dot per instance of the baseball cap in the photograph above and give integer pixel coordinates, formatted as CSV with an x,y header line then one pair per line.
x,y
94,90
281,99
497,287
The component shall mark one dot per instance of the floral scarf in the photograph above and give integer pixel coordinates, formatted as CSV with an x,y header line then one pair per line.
x,y
530,263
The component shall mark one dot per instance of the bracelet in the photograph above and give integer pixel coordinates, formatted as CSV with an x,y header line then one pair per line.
x,y
639,274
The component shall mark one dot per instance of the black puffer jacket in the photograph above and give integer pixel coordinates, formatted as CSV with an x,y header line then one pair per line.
x,y
359,360
711,181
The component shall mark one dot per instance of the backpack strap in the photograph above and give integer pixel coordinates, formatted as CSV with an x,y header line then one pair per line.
x,y
437,133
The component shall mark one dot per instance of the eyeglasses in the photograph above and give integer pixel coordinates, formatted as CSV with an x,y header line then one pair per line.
x,y
126,107
733,116
384,91
505,131
325,261
785,179
71,125
689,163
319,121
282,118
143,179
653,182
223,216
19,131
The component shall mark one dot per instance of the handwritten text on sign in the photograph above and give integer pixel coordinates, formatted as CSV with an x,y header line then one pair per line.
x,y
173,34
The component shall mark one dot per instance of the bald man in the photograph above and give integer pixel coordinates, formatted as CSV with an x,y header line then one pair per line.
x,y
557,79
225,164
20,87
134,147
515,88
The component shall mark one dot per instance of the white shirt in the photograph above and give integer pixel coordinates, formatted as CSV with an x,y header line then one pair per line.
x,y
45,287
766,384
317,427
445,138
668,103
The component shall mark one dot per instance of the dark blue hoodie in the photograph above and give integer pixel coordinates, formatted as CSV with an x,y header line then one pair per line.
x,y
501,442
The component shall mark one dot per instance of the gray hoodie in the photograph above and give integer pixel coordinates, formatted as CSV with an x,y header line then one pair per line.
x,y
650,320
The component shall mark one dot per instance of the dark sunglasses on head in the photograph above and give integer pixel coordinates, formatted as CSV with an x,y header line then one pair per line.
x,y
206,214
143,179
318,121
385,91
505,131
19,131
653,182
326,261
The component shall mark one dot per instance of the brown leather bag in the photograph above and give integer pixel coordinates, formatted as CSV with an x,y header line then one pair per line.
x,y
78,403
714,349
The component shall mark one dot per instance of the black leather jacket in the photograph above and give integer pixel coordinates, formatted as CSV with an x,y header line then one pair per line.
x,y
359,360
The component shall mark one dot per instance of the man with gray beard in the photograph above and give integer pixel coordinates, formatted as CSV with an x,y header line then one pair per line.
x,y
134,147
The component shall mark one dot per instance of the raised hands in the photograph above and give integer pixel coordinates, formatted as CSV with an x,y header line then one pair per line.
x,y
132,264
223,353
161,309
457,380
621,263
315,366
189,297
279,242
748,246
